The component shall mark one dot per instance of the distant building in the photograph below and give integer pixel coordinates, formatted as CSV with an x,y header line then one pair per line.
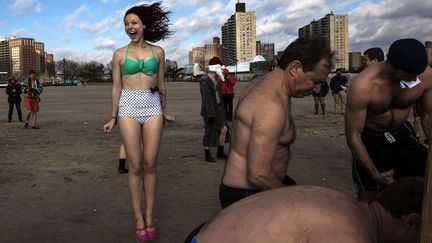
x,y
334,30
239,36
267,51
40,57
197,56
19,55
211,50
258,47
355,61
428,45
23,56
5,66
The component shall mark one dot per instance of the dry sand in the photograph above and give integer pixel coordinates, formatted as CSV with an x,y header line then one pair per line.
x,y
60,183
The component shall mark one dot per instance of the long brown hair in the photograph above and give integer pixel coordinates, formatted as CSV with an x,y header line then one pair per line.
x,y
155,18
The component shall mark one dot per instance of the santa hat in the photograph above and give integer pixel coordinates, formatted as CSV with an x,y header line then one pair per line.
x,y
216,65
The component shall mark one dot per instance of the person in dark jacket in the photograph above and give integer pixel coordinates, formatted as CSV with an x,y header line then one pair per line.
x,y
13,90
338,85
212,110
319,97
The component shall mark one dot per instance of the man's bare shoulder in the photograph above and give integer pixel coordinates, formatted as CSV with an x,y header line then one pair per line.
x,y
426,77
367,80
262,100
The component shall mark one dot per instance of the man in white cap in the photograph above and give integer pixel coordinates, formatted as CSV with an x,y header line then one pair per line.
x,y
383,143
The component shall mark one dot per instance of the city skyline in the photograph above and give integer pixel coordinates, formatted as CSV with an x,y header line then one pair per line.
x,y
87,31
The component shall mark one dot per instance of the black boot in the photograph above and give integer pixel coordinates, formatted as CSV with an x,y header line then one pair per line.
x,y
122,166
323,109
221,154
208,156
316,109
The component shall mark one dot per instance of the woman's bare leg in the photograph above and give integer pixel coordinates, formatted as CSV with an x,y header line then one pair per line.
x,y
151,134
130,131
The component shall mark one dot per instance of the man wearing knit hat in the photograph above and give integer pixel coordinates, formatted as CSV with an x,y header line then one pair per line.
x,y
383,143
212,110
32,89
263,127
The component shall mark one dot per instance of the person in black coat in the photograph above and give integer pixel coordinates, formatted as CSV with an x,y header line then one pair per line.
x,y
319,97
13,90
212,110
338,86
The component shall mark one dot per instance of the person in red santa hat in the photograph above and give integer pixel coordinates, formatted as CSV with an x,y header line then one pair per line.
x,y
212,109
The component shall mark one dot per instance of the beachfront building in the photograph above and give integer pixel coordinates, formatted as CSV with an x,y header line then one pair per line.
x,y
197,56
211,50
334,30
428,45
239,36
19,55
355,61
266,50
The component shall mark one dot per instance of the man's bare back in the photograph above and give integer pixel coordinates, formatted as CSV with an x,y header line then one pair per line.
x,y
317,214
294,214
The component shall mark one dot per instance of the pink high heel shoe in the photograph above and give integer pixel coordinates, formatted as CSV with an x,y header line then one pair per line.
x,y
141,238
151,232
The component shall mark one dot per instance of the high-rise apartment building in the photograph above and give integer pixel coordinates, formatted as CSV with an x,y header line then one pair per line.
x,y
267,51
5,66
40,57
239,36
334,30
355,61
197,56
211,50
23,56
428,45
19,55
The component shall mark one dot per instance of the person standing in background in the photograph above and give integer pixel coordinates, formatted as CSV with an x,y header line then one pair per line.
x,y
373,55
338,85
212,110
32,90
13,90
319,97
228,93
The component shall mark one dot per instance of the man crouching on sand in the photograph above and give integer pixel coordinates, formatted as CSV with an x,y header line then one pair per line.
x,y
263,128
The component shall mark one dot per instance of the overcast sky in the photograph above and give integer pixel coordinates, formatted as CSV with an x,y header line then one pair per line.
x,y
92,30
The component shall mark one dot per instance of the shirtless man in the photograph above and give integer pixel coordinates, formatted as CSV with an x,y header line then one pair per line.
x,y
319,215
263,129
373,55
382,141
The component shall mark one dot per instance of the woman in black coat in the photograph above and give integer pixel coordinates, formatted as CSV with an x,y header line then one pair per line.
x,y
13,90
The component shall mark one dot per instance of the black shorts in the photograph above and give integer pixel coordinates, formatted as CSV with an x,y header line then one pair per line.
x,y
229,195
400,151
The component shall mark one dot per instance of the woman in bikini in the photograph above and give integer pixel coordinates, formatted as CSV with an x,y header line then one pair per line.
x,y
139,102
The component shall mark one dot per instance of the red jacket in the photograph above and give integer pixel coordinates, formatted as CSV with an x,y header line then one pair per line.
x,y
228,85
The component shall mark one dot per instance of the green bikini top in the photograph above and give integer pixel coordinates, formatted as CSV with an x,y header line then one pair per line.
x,y
131,66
